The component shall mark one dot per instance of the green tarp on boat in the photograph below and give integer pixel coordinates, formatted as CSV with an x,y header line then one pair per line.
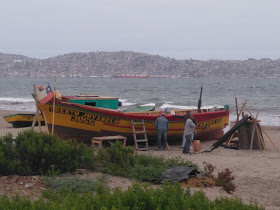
x,y
142,108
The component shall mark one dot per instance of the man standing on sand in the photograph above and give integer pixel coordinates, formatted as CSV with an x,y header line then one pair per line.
x,y
186,117
189,132
161,129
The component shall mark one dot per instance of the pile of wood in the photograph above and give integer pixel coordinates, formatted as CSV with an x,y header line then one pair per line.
x,y
250,134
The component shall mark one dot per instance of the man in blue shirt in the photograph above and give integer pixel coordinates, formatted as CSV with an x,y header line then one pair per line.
x,y
161,129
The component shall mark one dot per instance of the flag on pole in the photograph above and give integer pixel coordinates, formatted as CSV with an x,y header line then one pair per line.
x,y
45,95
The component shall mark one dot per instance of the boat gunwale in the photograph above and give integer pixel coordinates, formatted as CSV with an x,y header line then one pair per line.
x,y
146,117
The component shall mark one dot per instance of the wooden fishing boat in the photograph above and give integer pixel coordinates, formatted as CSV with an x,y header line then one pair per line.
x,y
82,122
25,120
22,120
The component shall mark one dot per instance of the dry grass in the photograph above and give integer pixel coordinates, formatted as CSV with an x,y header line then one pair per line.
x,y
198,182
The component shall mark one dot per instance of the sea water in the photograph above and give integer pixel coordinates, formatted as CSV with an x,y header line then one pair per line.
x,y
262,95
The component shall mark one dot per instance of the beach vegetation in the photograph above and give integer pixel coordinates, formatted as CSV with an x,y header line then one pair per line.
x,y
38,153
123,161
7,153
72,183
224,178
209,169
115,159
138,196
33,153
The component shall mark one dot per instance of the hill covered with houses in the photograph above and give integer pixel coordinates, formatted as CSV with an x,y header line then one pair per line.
x,y
109,64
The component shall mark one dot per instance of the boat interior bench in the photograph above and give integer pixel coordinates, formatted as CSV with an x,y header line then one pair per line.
x,y
110,139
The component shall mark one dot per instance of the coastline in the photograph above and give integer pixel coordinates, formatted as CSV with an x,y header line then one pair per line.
x,y
256,172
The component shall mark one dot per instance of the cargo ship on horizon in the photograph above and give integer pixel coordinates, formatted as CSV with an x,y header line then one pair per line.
x,y
132,76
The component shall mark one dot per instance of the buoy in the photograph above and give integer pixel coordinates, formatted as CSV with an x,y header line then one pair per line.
x,y
196,145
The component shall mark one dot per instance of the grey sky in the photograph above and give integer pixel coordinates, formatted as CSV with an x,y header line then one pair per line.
x,y
181,29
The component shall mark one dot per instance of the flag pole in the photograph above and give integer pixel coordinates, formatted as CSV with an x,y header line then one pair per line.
x,y
37,107
54,102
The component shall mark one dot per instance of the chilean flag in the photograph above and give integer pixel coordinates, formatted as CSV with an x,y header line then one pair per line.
x,y
45,95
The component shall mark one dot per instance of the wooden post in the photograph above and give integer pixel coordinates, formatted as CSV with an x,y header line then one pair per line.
x,y
253,133
260,137
34,121
237,119
47,127
37,107
269,139
242,109
54,102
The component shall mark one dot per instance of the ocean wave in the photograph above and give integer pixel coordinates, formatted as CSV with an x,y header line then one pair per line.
x,y
126,103
17,100
150,104
176,106
167,105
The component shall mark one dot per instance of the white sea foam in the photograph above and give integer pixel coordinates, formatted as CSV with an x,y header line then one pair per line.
x,y
150,104
126,103
174,106
164,106
17,99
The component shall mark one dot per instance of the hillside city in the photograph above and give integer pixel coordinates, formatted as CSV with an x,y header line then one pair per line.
x,y
133,64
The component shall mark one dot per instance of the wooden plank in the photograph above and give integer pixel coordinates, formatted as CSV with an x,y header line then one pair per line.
x,y
108,138
99,140
37,107
34,121
260,137
269,139
47,127
54,102
237,119
253,133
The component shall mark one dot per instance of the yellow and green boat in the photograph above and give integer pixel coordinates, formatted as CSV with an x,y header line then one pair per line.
x,y
22,120
25,120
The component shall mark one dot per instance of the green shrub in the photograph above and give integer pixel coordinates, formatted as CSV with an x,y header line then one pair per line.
x,y
150,168
71,183
178,161
235,203
7,154
147,168
122,161
136,197
38,153
115,159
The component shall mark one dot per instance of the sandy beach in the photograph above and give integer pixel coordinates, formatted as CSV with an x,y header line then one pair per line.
x,y
257,173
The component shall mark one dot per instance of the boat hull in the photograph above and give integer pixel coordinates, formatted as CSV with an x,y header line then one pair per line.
x,y
80,122
22,120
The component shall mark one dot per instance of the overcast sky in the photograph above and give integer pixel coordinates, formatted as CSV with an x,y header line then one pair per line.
x,y
180,29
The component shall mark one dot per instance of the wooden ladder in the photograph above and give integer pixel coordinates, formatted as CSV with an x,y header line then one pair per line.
x,y
141,133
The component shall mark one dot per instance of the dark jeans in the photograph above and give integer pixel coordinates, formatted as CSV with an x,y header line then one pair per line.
x,y
161,133
187,144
